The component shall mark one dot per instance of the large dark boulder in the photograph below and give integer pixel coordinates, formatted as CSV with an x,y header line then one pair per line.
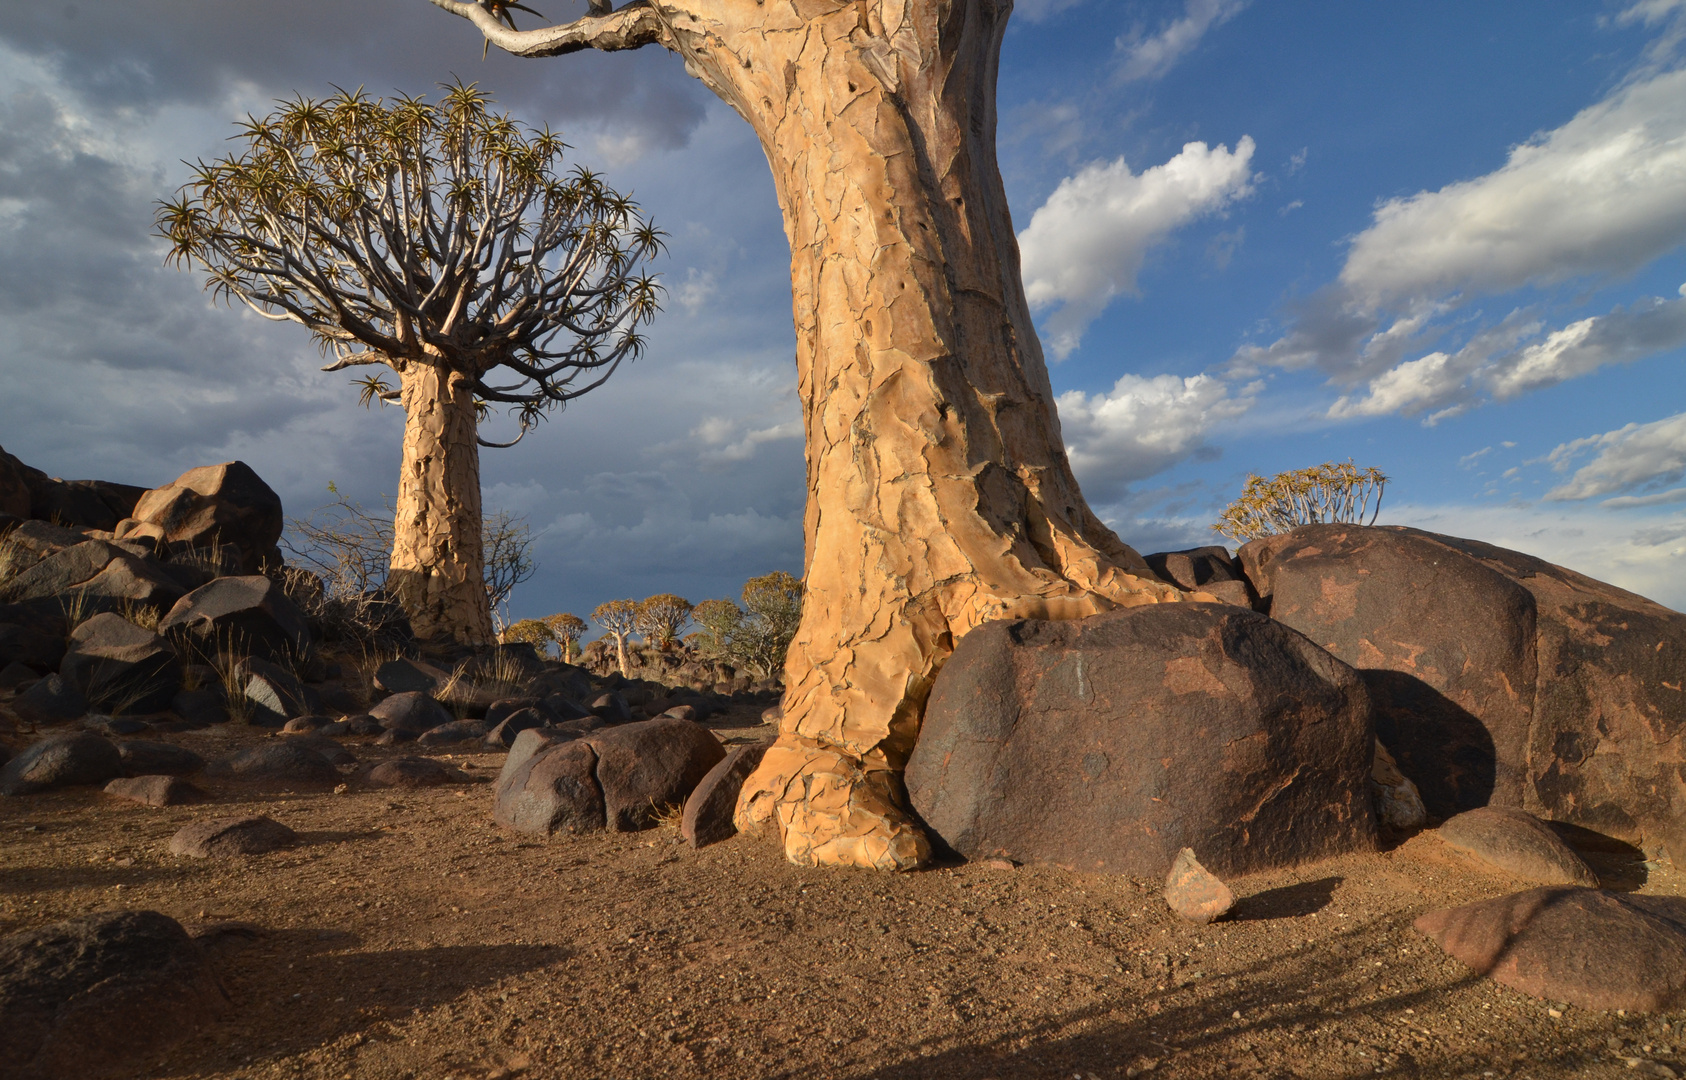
x,y
31,645
247,614
53,700
28,492
121,667
1498,677
1112,742
707,818
413,711
1208,569
274,695
101,995
213,506
61,761
61,571
620,778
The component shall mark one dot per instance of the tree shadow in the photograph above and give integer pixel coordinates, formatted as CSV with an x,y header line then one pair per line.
x,y
1442,747
1620,866
298,989
1286,902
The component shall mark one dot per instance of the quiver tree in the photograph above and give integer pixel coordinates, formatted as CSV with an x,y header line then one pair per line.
x,y
620,619
439,242
661,617
939,492
567,629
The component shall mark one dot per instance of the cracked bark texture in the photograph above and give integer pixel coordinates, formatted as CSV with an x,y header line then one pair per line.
x,y
939,493
436,550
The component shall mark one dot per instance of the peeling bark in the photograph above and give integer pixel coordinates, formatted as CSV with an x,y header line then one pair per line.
x,y
939,492
436,553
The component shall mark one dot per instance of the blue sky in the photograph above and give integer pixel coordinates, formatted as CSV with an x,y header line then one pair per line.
x,y
1447,240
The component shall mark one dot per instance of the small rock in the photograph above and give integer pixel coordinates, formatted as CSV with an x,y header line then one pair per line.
x,y
100,995
1001,864
1589,948
303,725
411,772
409,676
155,790
363,724
707,818
52,700
612,707
282,762
274,695
115,725
1398,803
682,712
397,736
1518,843
61,761
455,732
504,733
141,758
225,837
1195,893
411,711
327,747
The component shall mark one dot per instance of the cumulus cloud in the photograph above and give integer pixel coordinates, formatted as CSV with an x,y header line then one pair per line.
x,y
1596,199
1642,457
1040,10
1143,426
1149,57
1086,244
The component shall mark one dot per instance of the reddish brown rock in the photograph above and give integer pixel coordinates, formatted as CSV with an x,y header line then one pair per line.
x,y
708,811
101,996
225,505
1592,949
227,837
251,613
1518,843
411,772
282,763
1498,678
155,790
552,790
1194,892
1109,743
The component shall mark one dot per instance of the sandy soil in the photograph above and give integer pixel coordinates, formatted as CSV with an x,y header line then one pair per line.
x,y
408,937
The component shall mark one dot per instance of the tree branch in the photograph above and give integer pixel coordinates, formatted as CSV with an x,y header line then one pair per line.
x,y
632,27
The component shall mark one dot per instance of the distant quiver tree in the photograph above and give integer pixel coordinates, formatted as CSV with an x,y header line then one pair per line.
x,y
442,243
1335,491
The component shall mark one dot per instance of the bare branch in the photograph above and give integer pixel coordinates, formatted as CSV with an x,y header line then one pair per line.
x,y
632,27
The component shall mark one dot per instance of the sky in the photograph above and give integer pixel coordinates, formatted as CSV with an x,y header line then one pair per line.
x,y
1446,240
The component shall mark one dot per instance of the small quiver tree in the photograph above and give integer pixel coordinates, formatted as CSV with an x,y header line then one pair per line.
x,y
774,604
661,618
439,242
566,629
531,631
620,619
1331,492
719,621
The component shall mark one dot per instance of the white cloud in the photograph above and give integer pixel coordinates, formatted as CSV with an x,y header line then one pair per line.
x,y
1142,427
1649,327
1636,456
1151,57
1603,194
697,289
1038,10
1086,244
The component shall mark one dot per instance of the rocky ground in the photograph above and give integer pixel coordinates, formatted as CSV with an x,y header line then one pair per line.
x,y
409,937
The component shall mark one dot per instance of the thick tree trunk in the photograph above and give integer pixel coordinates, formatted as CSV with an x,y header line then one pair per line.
x,y
437,562
939,493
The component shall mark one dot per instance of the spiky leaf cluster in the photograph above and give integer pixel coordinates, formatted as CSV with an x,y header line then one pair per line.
x,y
1335,491
400,231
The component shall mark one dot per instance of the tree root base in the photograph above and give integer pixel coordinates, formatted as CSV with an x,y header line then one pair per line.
x,y
832,811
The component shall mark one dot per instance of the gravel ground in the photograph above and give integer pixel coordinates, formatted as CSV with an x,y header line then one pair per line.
x,y
408,937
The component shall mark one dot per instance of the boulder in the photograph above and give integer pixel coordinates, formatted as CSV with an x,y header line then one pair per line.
x,y
618,778
504,733
201,708
227,837
529,743
1194,892
115,725
278,762
247,615
1498,678
53,700
573,683
61,761
138,580
155,790
1589,948
1110,743
121,667
455,732
274,695
1212,570
213,506
1517,843
681,712
504,708
412,711
34,647
362,724
707,818
304,725
102,995
612,707
1398,803
328,747
14,675
403,676
410,772
61,571
143,758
